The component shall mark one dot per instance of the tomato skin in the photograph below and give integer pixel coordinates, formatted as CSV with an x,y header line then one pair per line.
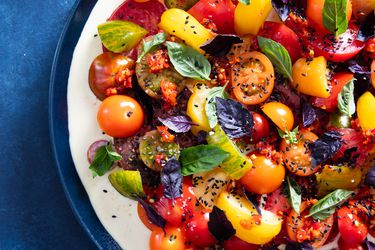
x,y
197,230
285,36
235,243
338,81
220,12
352,228
373,73
144,217
261,127
120,116
366,111
265,177
173,238
277,202
280,114
343,246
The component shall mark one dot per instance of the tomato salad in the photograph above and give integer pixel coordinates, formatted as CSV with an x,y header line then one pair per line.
x,y
235,132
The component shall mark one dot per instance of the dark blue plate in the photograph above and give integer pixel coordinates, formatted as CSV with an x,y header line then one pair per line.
x,y
58,123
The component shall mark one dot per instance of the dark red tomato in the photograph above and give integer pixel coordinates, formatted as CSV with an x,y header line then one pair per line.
x,y
352,227
235,243
285,36
220,12
146,14
182,207
338,81
197,230
343,246
277,203
261,127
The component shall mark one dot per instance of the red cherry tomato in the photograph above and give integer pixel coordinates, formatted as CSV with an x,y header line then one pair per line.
x,y
338,81
120,116
352,227
197,230
285,36
235,243
261,127
171,239
220,12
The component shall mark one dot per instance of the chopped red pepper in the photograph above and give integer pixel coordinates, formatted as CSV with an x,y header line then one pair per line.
x,y
165,135
158,61
169,91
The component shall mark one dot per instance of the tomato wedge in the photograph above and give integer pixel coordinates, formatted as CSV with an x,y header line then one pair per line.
x,y
252,78
352,227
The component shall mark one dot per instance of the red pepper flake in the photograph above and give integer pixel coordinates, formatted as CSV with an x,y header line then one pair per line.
x,y
158,61
165,135
124,77
169,91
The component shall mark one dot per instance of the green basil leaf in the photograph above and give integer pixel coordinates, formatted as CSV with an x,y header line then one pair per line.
x,y
119,36
246,2
345,99
189,62
278,55
327,205
210,107
334,16
104,159
201,158
294,194
128,183
158,39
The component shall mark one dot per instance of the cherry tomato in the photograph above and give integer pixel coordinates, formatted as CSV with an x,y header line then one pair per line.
x,y
285,36
172,239
197,230
261,127
105,71
297,156
280,114
305,229
264,177
120,116
343,246
338,81
314,12
352,227
277,202
252,78
221,13
235,243
144,217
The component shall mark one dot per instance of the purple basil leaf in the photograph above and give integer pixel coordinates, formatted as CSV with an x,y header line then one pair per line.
x,y
178,124
234,119
370,177
355,68
367,29
370,245
220,45
291,245
308,114
171,179
153,216
282,8
325,147
253,199
218,224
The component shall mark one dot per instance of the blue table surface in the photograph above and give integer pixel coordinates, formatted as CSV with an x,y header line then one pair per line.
x,y
34,212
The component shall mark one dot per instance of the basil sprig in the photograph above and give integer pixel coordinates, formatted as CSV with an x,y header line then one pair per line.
x,y
189,62
158,39
293,193
201,158
211,104
327,205
278,55
104,159
128,183
334,16
291,137
345,99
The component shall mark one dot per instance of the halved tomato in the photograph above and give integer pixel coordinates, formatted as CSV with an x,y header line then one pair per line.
x,y
353,228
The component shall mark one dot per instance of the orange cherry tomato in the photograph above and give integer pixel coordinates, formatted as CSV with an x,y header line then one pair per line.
x,y
280,114
120,116
252,78
306,229
297,156
172,239
314,12
265,176
144,217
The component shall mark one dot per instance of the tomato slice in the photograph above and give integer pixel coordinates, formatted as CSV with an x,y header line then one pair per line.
x,y
338,81
285,36
252,78
352,227
277,203
221,13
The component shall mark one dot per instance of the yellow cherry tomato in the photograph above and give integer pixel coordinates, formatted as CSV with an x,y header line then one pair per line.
x,y
249,225
249,18
280,114
196,108
181,24
310,77
366,111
